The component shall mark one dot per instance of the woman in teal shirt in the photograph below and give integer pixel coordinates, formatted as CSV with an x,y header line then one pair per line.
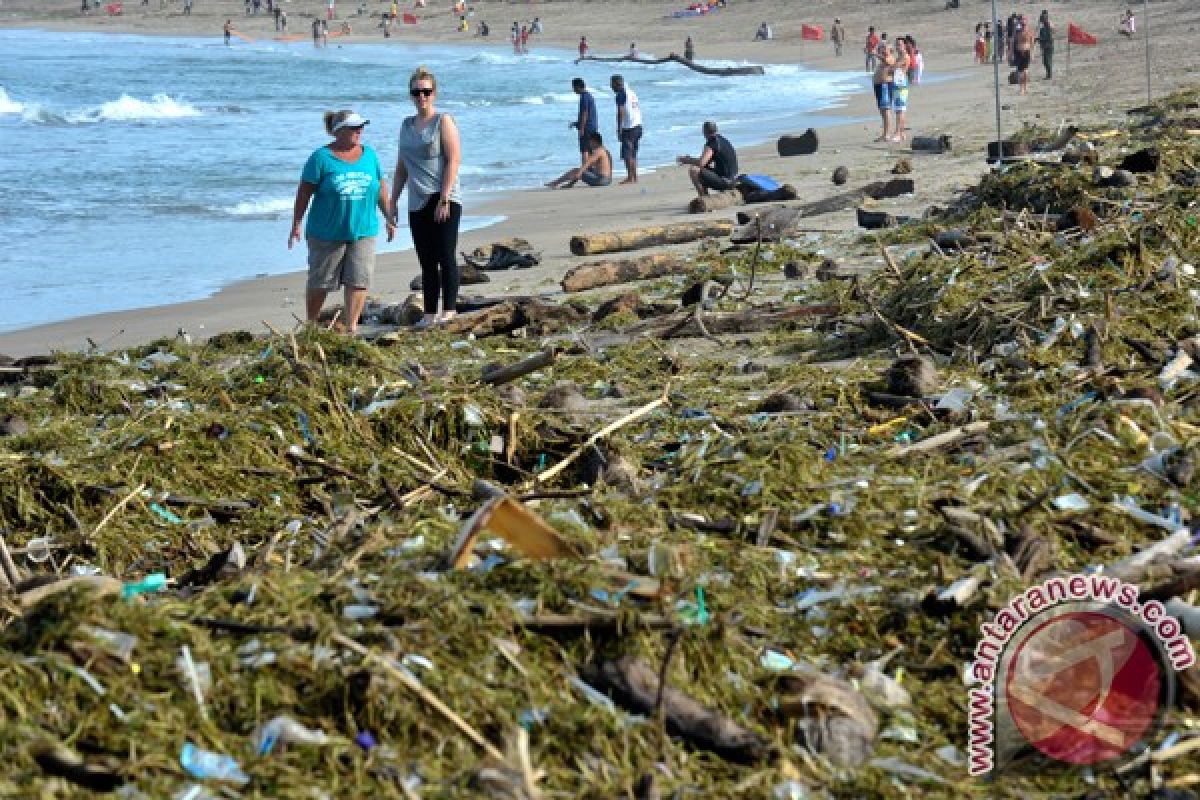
x,y
345,185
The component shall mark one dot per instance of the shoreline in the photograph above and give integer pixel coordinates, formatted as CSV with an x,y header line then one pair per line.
x,y
961,106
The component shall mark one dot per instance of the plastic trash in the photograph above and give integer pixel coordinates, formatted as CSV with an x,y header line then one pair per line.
x,y
153,582
906,770
776,661
365,740
359,611
955,400
193,791
198,675
207,765
1071,502
285,730
790,790
166,514
116,643
532,717
814,597
594,696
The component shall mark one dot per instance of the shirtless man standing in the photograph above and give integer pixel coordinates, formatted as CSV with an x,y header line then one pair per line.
x,y
1022,53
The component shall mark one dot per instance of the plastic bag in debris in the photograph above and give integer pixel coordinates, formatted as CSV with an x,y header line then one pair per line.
x,y
207,765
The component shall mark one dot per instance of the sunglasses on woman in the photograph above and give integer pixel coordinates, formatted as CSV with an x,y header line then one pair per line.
x,y
421,91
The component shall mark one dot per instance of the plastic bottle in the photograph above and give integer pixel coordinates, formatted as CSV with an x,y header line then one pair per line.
x,y
288,731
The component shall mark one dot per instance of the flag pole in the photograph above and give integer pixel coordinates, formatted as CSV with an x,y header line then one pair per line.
x,y
996,81
1146,32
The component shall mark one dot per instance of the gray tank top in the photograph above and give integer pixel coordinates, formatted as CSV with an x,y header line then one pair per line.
x,y
421,152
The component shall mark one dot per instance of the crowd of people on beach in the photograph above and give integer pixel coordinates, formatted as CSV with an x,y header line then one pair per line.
x,y
1012,43
343,185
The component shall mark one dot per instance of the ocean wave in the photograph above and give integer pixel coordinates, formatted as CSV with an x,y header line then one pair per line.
x,y
266,207
510,59
550,97
130,109
8,105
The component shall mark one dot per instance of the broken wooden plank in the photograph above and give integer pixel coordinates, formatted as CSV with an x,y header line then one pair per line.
x,y
509,519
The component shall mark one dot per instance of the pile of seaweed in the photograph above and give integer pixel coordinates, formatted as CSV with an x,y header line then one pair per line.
x,y
657,561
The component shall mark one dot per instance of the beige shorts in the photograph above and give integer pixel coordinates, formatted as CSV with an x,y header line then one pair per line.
x,y
332,265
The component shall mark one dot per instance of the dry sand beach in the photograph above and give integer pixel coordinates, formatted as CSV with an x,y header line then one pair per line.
x,y
1100,81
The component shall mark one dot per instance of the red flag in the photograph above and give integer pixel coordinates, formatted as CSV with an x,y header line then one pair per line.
x,y
1077,35
814,32
409,19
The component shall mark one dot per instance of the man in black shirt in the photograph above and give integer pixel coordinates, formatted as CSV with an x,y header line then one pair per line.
x,y
717,166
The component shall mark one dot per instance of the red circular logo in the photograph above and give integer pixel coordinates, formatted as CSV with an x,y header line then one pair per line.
x,y
1083,687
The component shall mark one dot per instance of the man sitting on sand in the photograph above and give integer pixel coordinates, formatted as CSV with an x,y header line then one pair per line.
x,y
595,171
717,166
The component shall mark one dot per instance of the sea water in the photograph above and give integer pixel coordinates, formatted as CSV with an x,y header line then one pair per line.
x,y
140,171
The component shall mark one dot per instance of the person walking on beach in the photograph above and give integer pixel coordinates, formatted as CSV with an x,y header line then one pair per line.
x,y
316,32
837,35
717,166
980,47
282,20
277,12
583,47
871,48
689,50
596,169
344,184
187,8
324,33
1023,54
1128,24
629,125
427,165
586,121
228,31
1045,40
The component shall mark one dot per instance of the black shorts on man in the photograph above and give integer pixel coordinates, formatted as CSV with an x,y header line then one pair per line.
x,y
630,137
711,180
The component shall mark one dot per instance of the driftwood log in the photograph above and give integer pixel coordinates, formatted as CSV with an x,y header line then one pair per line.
x,y
497,374
634,684
505,317
876,190
651,236
715,201
607,273
750,69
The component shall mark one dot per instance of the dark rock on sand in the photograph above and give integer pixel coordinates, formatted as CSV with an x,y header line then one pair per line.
x,y
841,175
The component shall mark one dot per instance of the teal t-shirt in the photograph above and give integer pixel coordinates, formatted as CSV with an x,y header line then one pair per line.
x,y
343,207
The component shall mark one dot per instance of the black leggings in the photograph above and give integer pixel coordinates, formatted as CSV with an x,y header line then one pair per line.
x,y
436,243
